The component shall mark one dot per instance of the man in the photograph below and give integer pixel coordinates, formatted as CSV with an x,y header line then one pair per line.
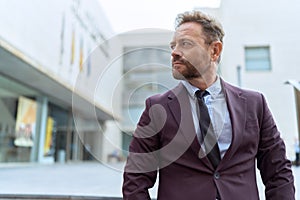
x,y
205,146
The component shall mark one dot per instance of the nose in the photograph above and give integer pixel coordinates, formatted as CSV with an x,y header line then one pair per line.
x,y
176,53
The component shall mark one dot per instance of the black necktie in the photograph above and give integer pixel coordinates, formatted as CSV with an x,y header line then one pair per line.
x,y
208,137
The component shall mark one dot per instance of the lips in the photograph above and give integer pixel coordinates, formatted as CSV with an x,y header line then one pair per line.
x,y
178,62
177,65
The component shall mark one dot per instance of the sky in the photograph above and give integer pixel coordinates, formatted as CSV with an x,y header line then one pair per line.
x,y
128,15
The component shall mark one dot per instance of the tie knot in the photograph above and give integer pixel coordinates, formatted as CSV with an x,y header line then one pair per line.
x,y
201,93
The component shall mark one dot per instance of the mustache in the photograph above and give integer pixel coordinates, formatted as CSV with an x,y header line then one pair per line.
x,y
181,60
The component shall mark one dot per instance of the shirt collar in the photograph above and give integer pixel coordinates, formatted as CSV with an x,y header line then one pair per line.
x,y
216,88
190,88
213,90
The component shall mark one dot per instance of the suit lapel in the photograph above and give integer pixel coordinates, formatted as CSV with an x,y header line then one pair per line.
x,y
237,107
179,105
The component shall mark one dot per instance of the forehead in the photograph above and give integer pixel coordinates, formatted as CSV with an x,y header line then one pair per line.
x,y
189,29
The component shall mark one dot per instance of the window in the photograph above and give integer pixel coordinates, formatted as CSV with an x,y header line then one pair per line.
x,y
258,58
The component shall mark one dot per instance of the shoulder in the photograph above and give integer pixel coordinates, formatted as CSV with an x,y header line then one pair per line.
x,y
168,95
244,92
254,99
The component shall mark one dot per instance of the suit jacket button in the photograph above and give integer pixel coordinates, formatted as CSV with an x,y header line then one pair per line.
x,y
217,175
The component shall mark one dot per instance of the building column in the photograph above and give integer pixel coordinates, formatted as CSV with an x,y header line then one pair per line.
x,y
297,99
37,153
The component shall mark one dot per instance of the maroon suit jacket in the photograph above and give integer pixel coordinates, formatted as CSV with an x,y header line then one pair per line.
x,y
165,142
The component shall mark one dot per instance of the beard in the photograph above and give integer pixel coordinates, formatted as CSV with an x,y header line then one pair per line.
x,y
186,73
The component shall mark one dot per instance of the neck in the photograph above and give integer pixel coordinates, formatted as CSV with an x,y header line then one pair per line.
x,y
203,82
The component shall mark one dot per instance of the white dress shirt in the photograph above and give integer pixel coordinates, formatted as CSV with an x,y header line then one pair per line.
x,y
218,112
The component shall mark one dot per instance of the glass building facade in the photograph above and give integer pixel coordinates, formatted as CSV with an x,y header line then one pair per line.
x,y
32,128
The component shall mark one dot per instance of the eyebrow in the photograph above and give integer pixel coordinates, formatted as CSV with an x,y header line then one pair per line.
x,y
182,39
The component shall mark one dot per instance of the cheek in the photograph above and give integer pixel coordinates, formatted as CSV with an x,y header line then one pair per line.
x,y
198,57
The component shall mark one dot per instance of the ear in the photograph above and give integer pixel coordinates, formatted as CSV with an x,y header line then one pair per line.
x,y
216,49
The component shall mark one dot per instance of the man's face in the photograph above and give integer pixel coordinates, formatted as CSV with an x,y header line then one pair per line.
x,y
190,54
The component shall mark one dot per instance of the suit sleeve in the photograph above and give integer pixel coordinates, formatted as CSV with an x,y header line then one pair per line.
x,y
142,163
274,167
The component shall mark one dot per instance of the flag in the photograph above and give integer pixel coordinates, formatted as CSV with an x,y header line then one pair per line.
x,y
88,71
62,40
73,47
81,55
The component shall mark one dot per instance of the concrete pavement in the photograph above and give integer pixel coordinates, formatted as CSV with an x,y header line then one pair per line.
x,y
91,179
84,179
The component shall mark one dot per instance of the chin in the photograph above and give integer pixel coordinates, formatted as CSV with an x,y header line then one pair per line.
x,y
177,75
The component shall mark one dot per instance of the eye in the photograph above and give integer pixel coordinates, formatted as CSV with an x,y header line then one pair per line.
x,y
172,46
186,44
